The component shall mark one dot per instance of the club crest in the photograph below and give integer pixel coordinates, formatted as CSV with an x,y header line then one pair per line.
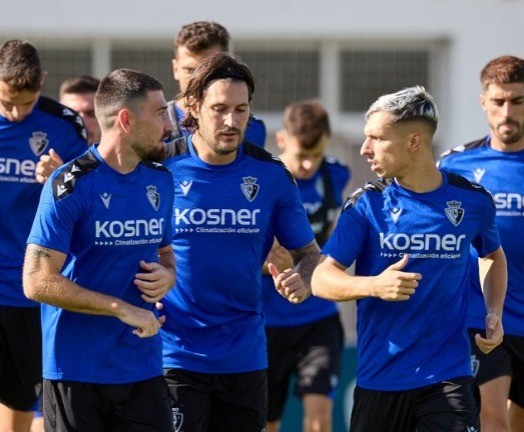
x,y
153,196
38,142
178,419
250,188
454,212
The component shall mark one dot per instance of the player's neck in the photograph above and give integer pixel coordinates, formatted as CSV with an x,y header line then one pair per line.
x,y
498,145
422,179
121,158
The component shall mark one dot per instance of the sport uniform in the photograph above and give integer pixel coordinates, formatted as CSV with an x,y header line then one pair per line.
x,y
107,223
225,218
306,339
420,347
502,173
50,125
255,133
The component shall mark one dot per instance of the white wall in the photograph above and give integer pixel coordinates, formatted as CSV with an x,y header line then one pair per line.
x,y
474,32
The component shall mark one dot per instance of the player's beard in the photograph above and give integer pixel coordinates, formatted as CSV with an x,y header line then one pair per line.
x,y
154,152
514,137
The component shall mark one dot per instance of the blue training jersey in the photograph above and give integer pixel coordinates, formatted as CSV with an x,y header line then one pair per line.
x,y
106,222
409,344
502,173
322,197
255,133
49,126
224,221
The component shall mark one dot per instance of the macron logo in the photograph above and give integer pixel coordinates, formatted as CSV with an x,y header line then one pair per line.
x,y
105,199
395,214
478,174
61,189
185,186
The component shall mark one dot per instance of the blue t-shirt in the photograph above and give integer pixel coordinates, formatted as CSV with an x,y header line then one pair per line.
x,y
502,173
50,125
322,197
106,222
224,221
255,133
410,344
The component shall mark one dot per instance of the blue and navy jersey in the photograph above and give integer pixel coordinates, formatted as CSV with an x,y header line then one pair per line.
x,y
255,133
49,126
502,173
106,222
322,198
224,221
410,344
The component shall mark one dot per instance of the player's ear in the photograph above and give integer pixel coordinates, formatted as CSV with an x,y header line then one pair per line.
x,y
42,78
415,140
124,119
483,101
280,137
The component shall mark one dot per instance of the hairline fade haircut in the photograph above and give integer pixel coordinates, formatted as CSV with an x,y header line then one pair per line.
x,y
505,69
218,66
308,121
81,84
407,105
199,36
20,66
122,88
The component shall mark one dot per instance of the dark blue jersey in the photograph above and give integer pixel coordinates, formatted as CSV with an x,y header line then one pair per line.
x,y
414,343
322,198
255,133
224,221
50,125
502,173
106,222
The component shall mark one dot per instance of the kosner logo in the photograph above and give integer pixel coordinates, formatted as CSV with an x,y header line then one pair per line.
x,y
129,228
215,216
418,242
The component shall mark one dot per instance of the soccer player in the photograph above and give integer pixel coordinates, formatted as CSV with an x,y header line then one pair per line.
x,y
30,125
78,93
409,234
496,161
194,42
99,257
231,199
306,340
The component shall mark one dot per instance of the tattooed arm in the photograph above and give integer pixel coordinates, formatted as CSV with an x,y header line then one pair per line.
x,y
44,283
295,284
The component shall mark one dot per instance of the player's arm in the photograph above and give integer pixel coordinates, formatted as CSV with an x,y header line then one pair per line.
x,y
330,281
295,283
47,165
279,256
158,277
494,280
44,283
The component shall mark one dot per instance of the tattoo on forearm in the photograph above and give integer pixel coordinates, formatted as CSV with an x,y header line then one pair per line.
x,y
40,252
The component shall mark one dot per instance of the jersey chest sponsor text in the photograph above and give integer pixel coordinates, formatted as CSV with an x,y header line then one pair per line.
x,y
215,217
420,242
508,200
17,170
129,228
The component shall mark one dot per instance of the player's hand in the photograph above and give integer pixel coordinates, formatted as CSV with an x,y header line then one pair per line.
x,y
280,257
155,282
289,284
393,284
144,321
47,165
494,334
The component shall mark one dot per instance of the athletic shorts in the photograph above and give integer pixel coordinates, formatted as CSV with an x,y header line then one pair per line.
x,y
311,352
450,406
20,357
506,359
84,407
218,402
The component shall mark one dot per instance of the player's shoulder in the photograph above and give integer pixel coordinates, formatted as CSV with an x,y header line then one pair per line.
x,y
269,162
463,183
370,189
176,148
64,181
61,113
155,166
463,149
